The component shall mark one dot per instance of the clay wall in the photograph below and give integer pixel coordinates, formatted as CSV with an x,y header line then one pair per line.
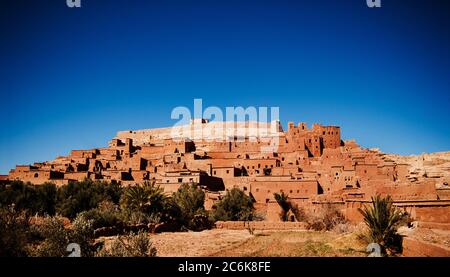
x,y
263,191
260,225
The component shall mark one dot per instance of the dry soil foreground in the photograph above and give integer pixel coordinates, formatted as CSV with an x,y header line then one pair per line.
x,y
219,242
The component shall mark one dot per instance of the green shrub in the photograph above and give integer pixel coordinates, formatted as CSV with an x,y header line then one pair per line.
x,y
235,205
171,212
200,221
190,200
14,230
137,218
132,245
35,199
106,215
55,238
76,197
82,233
47,199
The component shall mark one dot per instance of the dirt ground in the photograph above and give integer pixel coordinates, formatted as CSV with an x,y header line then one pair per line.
x,y
439,237
220,242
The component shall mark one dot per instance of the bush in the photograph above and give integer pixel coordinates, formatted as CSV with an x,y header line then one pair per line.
x,y
171,212
35,199
236,205
326,219
200,221
382,220
299,213
106,215
138,218
82,233
132,245
190,200
54,236
341,228
76,197
287,205
14,229
283,202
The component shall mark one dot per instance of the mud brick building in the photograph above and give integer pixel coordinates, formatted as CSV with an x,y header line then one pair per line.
x,y
314,166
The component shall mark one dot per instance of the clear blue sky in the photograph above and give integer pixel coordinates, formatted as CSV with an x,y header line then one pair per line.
x,y
72,78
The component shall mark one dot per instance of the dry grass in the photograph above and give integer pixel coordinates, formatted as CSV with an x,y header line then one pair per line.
x,y
194,244
271,243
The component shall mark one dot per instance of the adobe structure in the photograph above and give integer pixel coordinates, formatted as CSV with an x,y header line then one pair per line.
x,y
312,165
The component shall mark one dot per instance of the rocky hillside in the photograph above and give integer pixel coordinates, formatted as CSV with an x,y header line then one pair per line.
x,y
433,165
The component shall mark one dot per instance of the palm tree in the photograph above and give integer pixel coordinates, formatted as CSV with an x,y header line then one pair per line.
x,y
282,200
382,218
147,198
